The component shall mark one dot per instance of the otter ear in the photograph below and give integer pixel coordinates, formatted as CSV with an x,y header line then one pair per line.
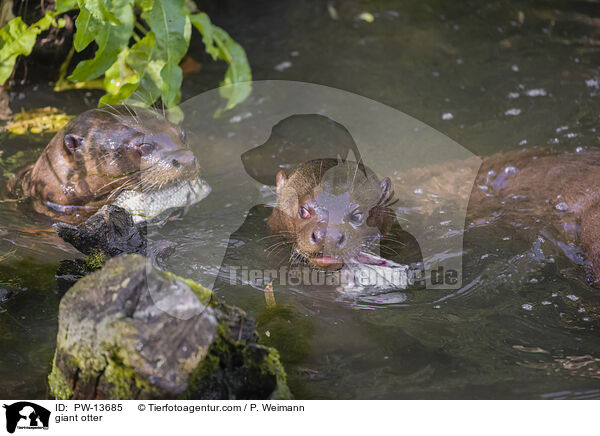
x,y
280,181
386,190
73,142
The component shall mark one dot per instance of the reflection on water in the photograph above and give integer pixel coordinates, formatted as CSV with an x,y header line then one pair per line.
x,y
492,76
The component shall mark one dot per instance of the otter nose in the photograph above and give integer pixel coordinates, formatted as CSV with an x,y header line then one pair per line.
x,y
335,237
318,236
184,159
330,235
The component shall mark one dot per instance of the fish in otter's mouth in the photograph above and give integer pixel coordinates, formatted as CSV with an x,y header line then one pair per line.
x,y
148,206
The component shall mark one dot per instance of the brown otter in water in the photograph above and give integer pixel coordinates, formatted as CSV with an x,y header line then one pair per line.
x,y
101,153
331,211
531,193
558,190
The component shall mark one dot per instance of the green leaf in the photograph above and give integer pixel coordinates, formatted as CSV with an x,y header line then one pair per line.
x,y
175,115
144,5
150,68
202,22
169,20
236,86
16,38
152,83
101,10
147,82
62,6
120,81
87,29
6,66
110,38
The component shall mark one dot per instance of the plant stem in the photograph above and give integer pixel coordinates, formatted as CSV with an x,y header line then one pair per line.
x,y
66,85
64,67
141,28
63,84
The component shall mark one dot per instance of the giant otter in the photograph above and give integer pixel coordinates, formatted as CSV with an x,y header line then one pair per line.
x,y
559,190
331,215
524,194
331,218
126,155
331,212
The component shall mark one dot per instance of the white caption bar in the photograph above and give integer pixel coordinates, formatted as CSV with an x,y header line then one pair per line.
x,y
297,417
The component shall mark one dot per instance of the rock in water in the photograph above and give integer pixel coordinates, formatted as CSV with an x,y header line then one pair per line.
x,y
131,331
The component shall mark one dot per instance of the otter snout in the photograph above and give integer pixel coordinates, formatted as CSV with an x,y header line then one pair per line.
x,y
184,159
324,246
328,236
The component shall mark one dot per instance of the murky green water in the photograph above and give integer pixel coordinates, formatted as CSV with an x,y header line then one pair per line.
x,y
493,77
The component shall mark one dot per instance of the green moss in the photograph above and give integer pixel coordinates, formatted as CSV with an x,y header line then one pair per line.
x,y
103,351
117,373
210,364
124,382
271,365
205,296
235,370
286,330
223,330
205,370
59,386
96,260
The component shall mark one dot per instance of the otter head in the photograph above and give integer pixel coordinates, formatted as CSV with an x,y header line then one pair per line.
x,y
332,211
111,150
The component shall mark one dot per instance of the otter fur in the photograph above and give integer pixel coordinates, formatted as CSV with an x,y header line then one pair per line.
x,y
101,153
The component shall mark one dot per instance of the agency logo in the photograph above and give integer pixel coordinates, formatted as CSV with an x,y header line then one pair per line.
x,y
26,415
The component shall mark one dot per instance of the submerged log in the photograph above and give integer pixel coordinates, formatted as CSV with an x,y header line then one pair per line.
x,y
108,233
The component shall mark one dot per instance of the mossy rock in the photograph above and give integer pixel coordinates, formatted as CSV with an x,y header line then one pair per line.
x,y
236,369
131,331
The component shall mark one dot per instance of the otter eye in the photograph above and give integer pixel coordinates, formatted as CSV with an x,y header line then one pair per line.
x,y
304,213
356,217
146,148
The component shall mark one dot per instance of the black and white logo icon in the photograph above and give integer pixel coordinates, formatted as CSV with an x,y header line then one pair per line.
x,y
26,415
